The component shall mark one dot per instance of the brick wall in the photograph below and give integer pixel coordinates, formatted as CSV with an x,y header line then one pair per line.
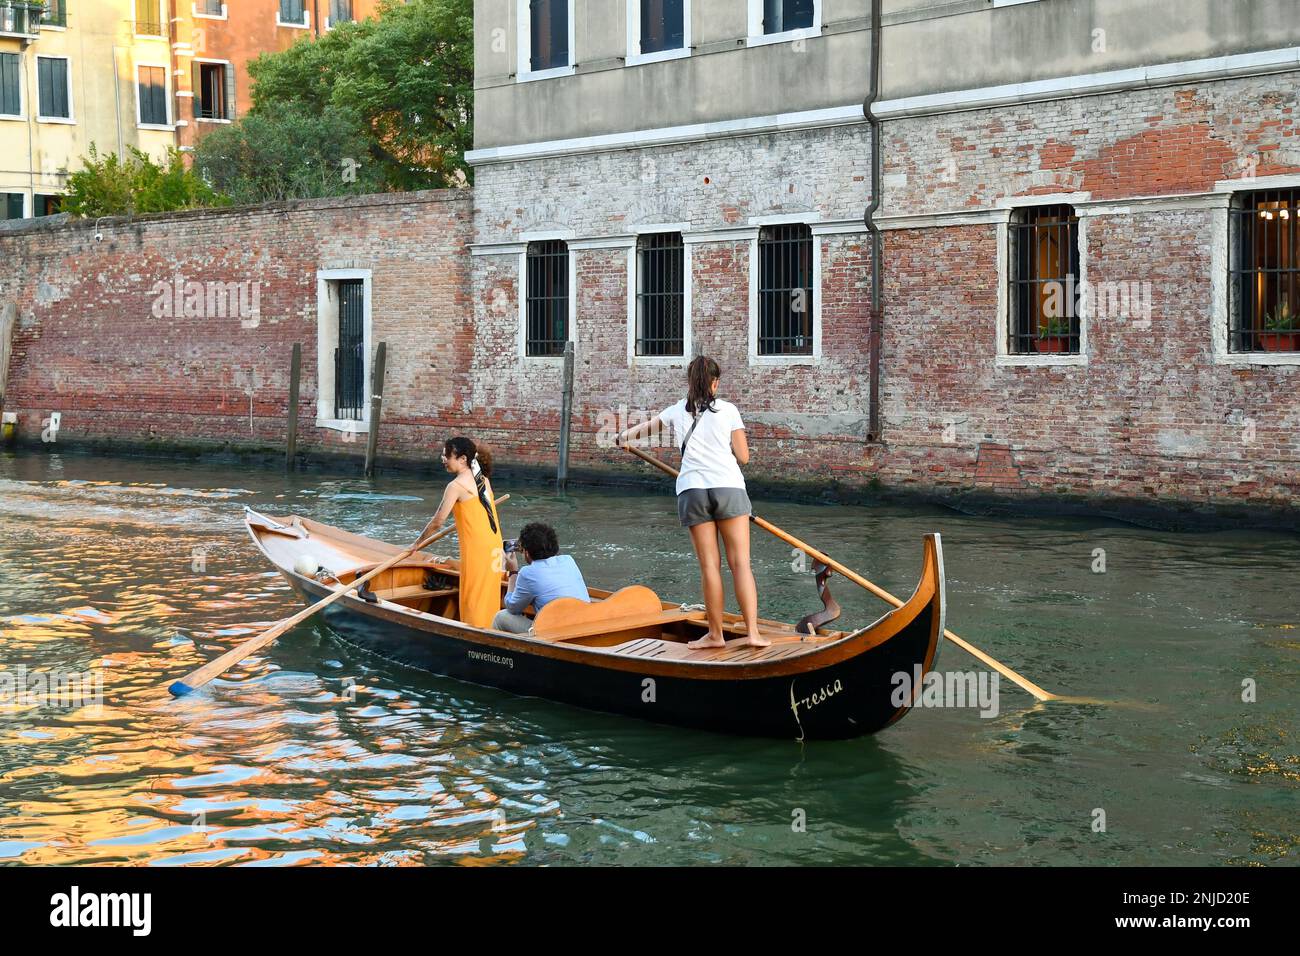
x,y
95,343
1152,415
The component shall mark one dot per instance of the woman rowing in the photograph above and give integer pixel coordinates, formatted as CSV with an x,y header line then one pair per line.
x,y
469,498
711,496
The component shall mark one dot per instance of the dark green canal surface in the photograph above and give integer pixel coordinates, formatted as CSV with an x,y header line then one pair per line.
x,y
313,752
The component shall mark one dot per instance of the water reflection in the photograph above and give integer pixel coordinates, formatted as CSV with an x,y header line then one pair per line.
x,y
313,752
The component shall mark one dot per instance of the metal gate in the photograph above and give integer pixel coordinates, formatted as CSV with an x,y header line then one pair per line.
x,y
350,356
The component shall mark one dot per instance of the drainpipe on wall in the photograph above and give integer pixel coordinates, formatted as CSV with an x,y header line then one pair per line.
x,y
877,166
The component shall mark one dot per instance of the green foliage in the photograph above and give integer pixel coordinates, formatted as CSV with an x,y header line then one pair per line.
x,y
1053,328
282,152
1282,319
406,79
115,186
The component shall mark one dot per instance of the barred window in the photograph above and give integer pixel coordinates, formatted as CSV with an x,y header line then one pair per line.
x,y
785,290
1265,272
340,11
1044,281
782,15
661,294
547,265
549,34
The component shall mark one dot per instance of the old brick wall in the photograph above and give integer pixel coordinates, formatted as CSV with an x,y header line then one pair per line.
x,y
91,345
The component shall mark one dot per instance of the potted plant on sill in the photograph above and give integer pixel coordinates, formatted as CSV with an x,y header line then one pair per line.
x,y
1281,330
1054,336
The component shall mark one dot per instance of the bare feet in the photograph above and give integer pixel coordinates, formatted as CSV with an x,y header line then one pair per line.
x,y
708,640
757,640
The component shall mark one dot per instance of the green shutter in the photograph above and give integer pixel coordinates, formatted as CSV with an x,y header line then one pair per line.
x,y
10,91
14,205
230,92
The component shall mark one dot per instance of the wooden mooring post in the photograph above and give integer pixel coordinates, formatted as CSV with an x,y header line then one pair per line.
x,y
295,375
8,323
566,414
376,403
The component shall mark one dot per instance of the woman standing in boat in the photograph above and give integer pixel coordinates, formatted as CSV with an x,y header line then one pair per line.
x,y
711,496
469,498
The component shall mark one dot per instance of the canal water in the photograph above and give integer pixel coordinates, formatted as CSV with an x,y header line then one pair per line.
x,y
313,752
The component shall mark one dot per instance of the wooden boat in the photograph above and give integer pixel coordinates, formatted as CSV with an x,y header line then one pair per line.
x,y
624,653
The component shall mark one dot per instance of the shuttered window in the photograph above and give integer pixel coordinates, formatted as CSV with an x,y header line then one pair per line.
x,y
14,205
11,99
153,95
214,91
148,18
52,88
549,33
662,25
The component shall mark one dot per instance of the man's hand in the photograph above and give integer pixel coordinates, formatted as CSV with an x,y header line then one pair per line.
x,y
512,564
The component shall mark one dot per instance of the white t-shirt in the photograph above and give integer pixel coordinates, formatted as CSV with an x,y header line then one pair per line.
x,y
709,462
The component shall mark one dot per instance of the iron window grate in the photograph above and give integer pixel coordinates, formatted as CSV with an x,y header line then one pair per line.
x,y
1264,274
661,294
350,357
547,298
785,290
1045,290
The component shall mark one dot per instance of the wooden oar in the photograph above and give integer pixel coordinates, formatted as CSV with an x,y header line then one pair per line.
x,y
197,678
859,580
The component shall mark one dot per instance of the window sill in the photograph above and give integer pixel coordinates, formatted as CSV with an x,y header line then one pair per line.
x,y
223,15
161,127
54,27
58,120
292,26
785,359
663,360
1038,361
150,36
355,426
638,59
15,117
1258,358
551,74
787,36
204,119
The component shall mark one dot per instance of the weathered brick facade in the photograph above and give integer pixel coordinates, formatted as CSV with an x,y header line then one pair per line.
x,y
1149,415
92,345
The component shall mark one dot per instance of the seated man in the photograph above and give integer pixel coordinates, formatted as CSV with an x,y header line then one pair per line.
x,y
547,575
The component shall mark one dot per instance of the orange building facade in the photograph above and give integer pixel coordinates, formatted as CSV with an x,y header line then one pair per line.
x,y
214,41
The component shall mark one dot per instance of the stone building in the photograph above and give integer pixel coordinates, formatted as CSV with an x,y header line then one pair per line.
x,y
1089,249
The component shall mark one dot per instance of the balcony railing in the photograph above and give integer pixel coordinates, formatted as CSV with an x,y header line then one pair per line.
x,y
20,19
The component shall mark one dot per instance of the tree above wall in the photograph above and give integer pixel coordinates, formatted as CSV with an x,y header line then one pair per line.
x,y
380,104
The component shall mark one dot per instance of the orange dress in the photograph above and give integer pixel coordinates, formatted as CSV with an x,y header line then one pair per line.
x,y
481,558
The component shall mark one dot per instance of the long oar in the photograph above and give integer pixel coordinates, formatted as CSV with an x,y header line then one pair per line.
x,y
197,678
859,580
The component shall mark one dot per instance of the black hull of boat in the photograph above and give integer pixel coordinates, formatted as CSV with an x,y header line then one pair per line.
x,y
849,698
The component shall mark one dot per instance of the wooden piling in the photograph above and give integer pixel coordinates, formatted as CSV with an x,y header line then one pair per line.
x,y
566,413
295,375
376,403
8,324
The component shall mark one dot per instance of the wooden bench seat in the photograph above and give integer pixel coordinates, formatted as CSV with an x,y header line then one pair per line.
x,y
631,608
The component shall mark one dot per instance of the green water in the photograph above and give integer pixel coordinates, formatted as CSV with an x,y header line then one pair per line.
x,y
314,752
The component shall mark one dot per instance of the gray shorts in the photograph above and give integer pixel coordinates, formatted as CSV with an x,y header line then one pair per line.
x,y
698,505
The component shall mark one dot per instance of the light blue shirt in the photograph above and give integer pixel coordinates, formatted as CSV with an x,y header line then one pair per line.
x,y
543,581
